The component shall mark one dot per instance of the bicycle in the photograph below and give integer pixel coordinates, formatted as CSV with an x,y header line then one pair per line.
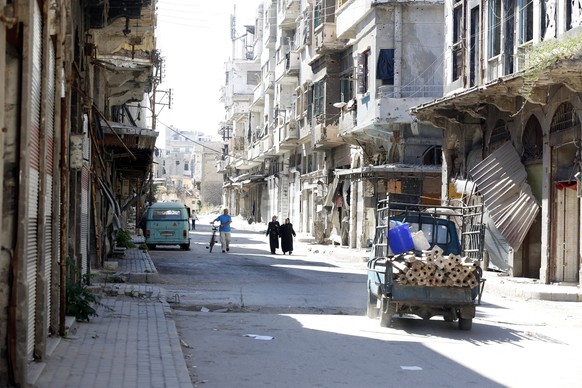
x,y
212,238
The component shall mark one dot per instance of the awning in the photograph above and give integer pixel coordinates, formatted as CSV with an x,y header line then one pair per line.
x,y
502,181
397,169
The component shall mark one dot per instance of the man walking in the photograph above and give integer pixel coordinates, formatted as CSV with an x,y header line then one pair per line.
x,y
225,220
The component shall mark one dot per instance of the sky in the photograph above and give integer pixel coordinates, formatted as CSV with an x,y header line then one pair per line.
x,y
193,37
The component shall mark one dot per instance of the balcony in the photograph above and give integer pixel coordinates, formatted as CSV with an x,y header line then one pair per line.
x,y
304,132
221,166
287,69
287,12
326,137
254,150
325,39
349,15
268,80
237,143
270,37
287,135
393,104
347,122
259,94
268,145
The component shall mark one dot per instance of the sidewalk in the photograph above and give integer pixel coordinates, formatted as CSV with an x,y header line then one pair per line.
x,y
134,342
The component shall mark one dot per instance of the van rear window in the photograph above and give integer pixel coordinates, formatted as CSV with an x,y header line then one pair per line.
x,y
166,215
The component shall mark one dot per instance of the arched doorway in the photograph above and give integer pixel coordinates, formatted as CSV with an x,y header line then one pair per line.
x,y
532,141
565,208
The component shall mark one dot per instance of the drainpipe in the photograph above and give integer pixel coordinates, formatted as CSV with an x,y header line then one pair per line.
x,y
397,50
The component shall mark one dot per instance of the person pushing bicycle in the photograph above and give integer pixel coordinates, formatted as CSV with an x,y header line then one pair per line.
x,y
224,228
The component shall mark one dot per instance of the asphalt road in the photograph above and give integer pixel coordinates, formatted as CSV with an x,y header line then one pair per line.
x,y
251,319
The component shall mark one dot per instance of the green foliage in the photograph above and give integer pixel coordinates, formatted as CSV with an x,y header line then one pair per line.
x,y
80,300
143,247
544,55
124,239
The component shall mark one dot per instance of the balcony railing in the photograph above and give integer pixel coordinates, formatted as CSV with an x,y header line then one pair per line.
x,y
326,39
326,136
288,66
288,11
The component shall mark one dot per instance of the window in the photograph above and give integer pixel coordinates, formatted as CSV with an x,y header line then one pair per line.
x,y
525,20
532,141
385,66
318,13
362,72
474,48
346,88
433,156
494,28
186,166
309,100
318,98
457,50
253,77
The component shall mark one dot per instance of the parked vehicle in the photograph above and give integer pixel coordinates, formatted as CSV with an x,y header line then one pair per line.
x,y
167,223
442,277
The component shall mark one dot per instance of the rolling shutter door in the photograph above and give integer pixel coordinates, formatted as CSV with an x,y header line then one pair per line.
x,y
33,148
50,156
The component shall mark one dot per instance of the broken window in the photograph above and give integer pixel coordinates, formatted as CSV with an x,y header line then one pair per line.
x,y
362,72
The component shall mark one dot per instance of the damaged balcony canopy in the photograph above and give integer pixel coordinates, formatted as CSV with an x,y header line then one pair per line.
x,y
103,12
505,93
131,147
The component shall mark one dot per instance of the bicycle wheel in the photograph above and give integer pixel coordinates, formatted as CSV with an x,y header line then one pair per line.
x,y
212,242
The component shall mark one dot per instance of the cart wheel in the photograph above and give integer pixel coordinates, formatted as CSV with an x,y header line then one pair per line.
x,y
448,318
388,310
465,323
185,247
372,305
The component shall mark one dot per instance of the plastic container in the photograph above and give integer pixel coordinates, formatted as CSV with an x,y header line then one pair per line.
x,y
401,239
420,241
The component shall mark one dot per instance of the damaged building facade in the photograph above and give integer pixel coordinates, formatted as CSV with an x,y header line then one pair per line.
x,y
511,129
75,155
317,103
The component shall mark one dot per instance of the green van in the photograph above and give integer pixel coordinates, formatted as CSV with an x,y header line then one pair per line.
x,y
167,223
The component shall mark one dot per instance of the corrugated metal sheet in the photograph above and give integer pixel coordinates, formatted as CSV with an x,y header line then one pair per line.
x,y
502,181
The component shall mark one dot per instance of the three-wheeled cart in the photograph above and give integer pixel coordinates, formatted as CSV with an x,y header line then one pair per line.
x,y
444,279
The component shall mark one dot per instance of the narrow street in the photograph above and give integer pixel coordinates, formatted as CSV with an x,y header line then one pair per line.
x,y
309,315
